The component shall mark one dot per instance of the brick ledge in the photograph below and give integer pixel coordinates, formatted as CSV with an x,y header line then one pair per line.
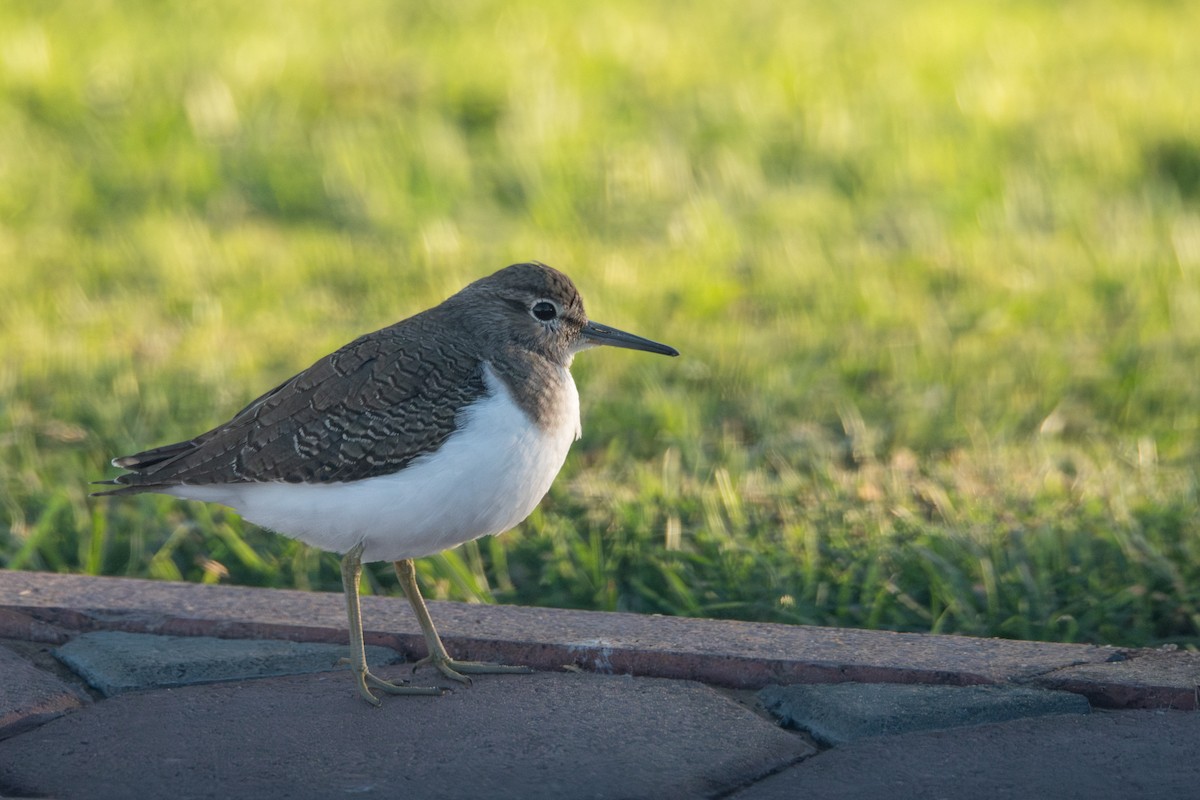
x,y
745,655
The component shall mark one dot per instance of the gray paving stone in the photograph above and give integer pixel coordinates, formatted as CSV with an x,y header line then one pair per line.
x,y
1148,755
113,662
836,713
546,735
30,696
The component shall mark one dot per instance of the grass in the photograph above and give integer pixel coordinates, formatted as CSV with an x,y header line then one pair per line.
x,y
934,268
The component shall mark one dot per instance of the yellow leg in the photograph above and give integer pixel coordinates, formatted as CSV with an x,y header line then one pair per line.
x,y
438,656
351,572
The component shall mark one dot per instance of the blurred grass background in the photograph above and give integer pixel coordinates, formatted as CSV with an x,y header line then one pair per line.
x,y
934,268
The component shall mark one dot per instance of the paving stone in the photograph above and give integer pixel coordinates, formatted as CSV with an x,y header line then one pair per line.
x,y
565,735
113,662
837,713
30,696
546,735
1148,755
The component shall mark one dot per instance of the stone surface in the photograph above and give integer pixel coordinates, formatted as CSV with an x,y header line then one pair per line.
x,y
113,662
1135,679
725,653
523,736
1149,755
834,714
15,625
30,696
570,734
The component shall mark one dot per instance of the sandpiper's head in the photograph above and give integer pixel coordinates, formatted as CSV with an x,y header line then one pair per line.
x,y
538,308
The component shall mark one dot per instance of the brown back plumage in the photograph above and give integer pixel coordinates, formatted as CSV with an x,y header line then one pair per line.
x,y
386,398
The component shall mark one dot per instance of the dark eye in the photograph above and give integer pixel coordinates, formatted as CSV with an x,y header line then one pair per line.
x,y
544,310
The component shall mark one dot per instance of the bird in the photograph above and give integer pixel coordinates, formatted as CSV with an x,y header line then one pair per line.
x,y
415,438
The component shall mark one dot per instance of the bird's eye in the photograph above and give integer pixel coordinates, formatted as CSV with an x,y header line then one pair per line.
x,y
544,310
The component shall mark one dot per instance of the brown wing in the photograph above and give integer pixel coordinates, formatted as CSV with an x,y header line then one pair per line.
x,y
366,410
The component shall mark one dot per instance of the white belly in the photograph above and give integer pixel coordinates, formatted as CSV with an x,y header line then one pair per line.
x,y
485,478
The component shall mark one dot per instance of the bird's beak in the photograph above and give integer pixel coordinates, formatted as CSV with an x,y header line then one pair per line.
x,y
594,333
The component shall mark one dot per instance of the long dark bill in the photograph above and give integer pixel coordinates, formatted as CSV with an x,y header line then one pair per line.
x,y
596,333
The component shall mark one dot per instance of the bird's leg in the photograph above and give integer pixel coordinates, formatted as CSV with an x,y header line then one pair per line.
x,y
438,656
351,572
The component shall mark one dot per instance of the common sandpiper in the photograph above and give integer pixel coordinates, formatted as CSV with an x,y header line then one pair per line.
x,y
442,428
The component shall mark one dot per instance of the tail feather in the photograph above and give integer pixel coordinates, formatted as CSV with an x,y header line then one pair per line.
x,y
127,489
142,467
149,458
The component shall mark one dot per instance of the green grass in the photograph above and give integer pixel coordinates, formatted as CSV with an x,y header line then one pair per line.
x,y
934,268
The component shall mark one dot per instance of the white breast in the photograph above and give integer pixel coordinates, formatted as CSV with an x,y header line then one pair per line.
x,y
485,478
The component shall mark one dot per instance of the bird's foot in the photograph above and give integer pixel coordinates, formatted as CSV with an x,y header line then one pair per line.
x,y
366,681
454,670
